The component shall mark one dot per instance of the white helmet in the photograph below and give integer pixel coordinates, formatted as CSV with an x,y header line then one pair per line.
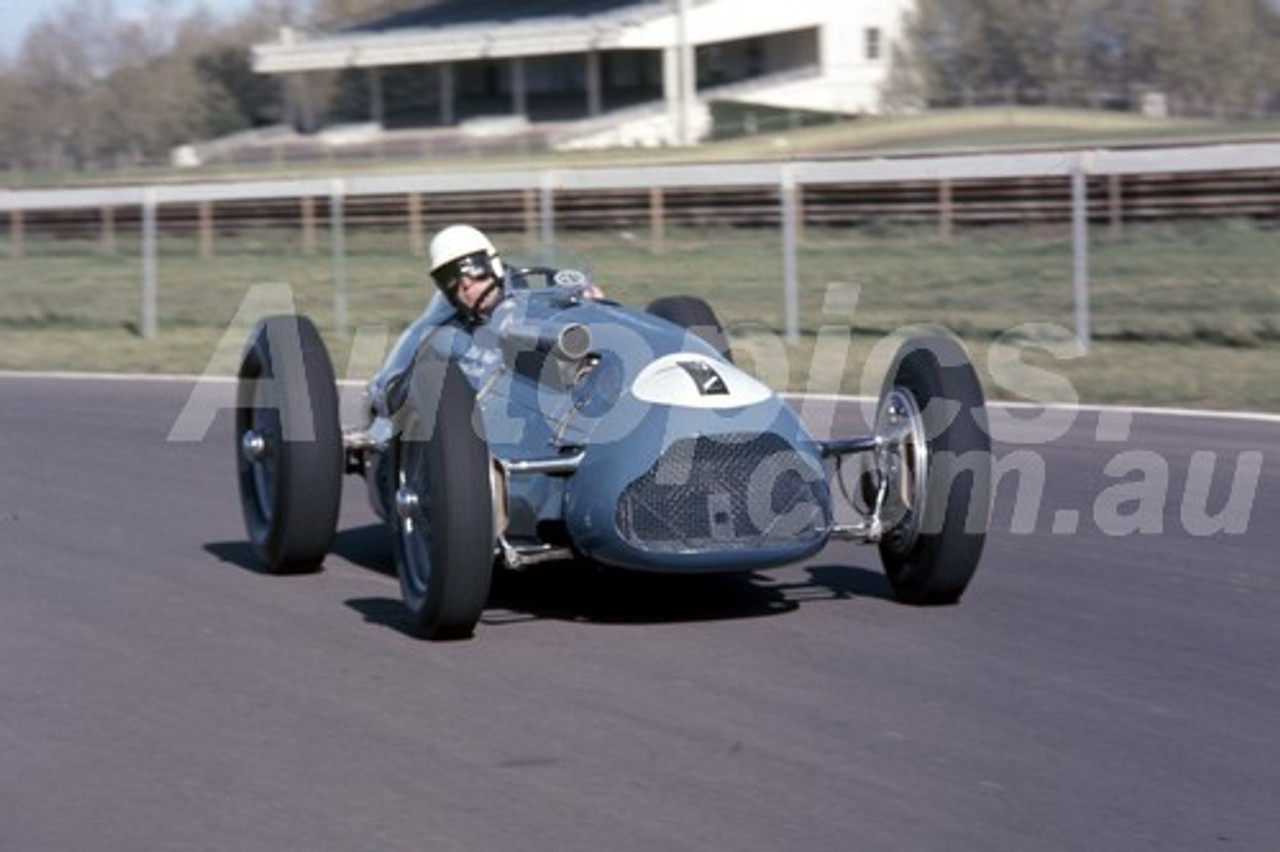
x,y
458,248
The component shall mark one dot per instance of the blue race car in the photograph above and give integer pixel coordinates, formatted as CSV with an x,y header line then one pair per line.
x,y
570,427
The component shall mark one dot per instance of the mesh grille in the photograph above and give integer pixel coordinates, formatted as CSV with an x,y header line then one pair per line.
x,y
724,493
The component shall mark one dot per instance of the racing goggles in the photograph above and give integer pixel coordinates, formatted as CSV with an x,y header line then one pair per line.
x,y
475,265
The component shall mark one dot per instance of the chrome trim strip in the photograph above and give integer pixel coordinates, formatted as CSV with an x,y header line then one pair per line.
x,y
866,532
516,557
560,466
849,446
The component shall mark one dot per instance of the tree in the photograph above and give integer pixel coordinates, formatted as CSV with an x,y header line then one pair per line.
x,y
54,118
89,88
1215,59
336,13
1219,58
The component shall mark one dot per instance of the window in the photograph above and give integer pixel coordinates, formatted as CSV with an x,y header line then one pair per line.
x,y
871,43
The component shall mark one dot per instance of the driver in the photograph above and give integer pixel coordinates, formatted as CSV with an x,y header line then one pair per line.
x,y
470,274
467,269
471,280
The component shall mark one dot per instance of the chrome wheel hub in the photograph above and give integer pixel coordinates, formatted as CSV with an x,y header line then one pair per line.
x,y
407,502
902,459
252,446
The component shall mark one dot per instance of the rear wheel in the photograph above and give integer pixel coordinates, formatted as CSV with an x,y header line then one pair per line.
x,y
288,444
934,471
694,314
443,504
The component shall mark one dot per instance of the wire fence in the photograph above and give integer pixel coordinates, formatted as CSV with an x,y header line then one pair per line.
x,y
778,232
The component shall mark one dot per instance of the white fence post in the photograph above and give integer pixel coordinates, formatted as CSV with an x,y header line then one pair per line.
x,y
150,275
1080,248
337,230
790,276
547,213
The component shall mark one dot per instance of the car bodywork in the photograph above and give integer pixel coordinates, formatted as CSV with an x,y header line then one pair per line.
x,y
624,438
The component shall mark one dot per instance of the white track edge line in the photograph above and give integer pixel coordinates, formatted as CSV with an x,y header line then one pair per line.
x,y
179,378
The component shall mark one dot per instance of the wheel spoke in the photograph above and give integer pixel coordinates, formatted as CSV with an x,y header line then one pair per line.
x,y
902,459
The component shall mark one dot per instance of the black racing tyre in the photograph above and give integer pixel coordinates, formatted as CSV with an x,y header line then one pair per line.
x,y
932,400
288,444
443,504
694,314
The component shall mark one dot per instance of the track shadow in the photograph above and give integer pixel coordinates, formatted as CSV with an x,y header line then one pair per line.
x,y
587,593
237,553
583,591
385,612
845,582
368,546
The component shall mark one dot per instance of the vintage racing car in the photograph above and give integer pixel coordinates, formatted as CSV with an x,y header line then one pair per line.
x,y
572,427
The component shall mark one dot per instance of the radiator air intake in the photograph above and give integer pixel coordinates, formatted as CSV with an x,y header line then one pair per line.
x,y
725,492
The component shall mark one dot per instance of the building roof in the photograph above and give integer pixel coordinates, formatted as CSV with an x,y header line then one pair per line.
x,y
449,13
454,30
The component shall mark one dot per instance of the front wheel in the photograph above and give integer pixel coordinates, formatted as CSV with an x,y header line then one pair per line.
x,y
288,444
443,504
933,471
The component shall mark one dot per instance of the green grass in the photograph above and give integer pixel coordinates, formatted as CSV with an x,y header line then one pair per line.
x,y
1182,315
982,127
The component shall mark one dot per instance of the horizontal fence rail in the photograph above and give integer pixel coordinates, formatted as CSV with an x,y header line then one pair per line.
x,y
1243,157
1123,198
1082,187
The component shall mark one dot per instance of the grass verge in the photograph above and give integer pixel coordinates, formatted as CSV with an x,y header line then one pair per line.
x,y
1182,315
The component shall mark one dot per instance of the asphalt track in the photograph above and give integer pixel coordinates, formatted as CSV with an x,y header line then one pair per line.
x,y
1093,691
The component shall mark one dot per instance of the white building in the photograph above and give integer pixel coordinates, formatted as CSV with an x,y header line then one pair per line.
x,y
614,69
